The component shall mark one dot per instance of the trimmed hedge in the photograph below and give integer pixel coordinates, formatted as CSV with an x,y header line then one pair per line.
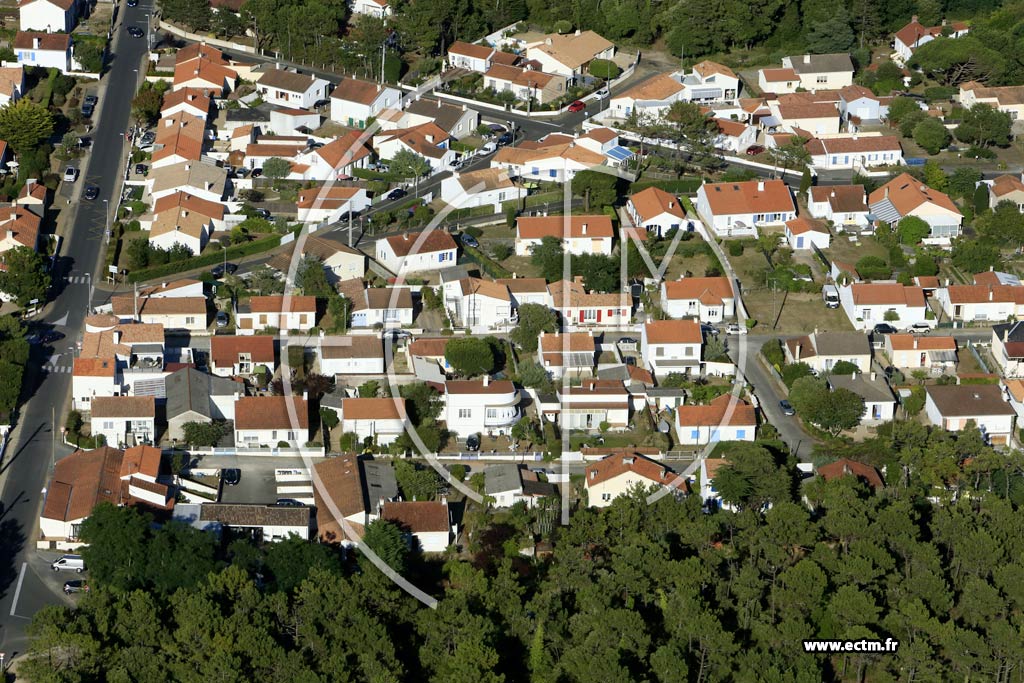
x,y
492,268
211,258
682,185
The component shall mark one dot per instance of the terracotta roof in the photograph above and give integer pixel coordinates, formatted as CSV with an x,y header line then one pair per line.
x,y
354,346
565,293
63,4
180,135
81,481
655,201
1005,184
281,304
435,240
562,150
1005,95
911,342
196,97
328,197
428,347
906,193
708,68
271,412
199,51
423,139
801,225
631,463
573,50
1016,388
372,409
724,410
821,110
94,367
538,227
470,50
418,516
224,349
286,80
123,406
141,460
493,290
914,31
22,223
976,294
673,332
254,515
846,467
524,285
12,79
352,486
968,400
749,197
826,63
485,179
578,342
842,198
692,288
100,344
779,75
731,128
125,305
216,73
355,90
476,386
266,149
58,42
854,144
659,87
602,135
345,150
883,293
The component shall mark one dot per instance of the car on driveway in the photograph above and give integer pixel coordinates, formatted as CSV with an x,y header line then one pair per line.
x,y
263,213
396,193
787,408
486,149
920,328
70,174
221,319
289,503
627,340
754,150
148,138
75,586
505,139
709,329
734,328
231,476
473,442
884,328
141,169
469,240
91,192
577,106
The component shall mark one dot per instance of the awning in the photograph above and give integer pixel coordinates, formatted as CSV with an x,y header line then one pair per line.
x,y
942,356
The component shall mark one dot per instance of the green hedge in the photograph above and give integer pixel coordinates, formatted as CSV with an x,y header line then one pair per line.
x,y
210,258
489,266
682,185
470,212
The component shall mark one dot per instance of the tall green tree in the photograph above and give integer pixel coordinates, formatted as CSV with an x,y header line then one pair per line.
x,y
25,276
469,356
25,125
533,319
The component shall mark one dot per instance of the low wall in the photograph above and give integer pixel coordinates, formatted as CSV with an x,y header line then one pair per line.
x,y
216,42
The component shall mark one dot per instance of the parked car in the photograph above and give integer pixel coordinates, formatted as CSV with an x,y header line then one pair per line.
x,y
135,32
50,336
75,586
787,408
709,329
486,149
627,340
577,106
469,240
84,141
148,138
68,563
257,172
602,93
263,213
133,3
231,476
289,503
70,174
754,150
89,105
473,442
920,328
629,360
141,169
734,328
884,328
505,139
397,193
220,269
221,318
91,192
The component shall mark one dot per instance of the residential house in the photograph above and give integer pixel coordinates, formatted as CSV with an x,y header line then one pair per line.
x,y
477,304
651,98
595,405
348,492
557,159
48,50
278,147
276,312
708,299
805,117
854,152
1007,188
510,484
426,140
822,350
821,72
526,290
981,302
263,523
739,209
603,141
1008,99
456,121
953,406
709,496
845,467
734,137
382,420
525,84
194,102
179,139
569,55
578,308
905,195
867,304
268,421
84,479
858,105
388,306
426,354
579,234
380,9
483,187
726,418
19,227
48,16
417,252
621,473
463,55
846,206
1008,348
656,210
181,218
330,204
478,406
913,351
778,81
291,89
340,261
354,102
173,313
879,401
572,353
428,523
338,159
233,356
124,420
914,35
351,355
709,82
12,83
204,67
194,396
291,120
669,346
33,196
803,234
201,180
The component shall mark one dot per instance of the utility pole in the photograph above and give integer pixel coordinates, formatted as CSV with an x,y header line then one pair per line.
x,y
350,225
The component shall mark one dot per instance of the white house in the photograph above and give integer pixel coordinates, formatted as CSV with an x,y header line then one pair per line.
x,y
483,187
350,355
427,522
556,160
355,102
656,211
417,252
1008,348
804,116
1008,99
481,406
234,356
708,299
739,209
822,350
620,473
477,304
48,16
1007,188
525,84
267,421
579,309
379,419
568,55
905,195
854,152
291,89
914,351
846,206
778,81
579,234
173,313
183,219
509,484
338,158
12,84
989,303
427,140
267,523
387,306
879,401
709,495
803,234
278,312
573,353
330,204
48,50
526,290
651,98
952,406
669,346
734,136
374,8
456,121
595,405
340,261
288,120
858,103
821,72
726,418
914,35
709,82
124,420
463,55
869,303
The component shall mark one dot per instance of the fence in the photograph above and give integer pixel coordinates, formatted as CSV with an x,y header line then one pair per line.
x,y
198,38
301,452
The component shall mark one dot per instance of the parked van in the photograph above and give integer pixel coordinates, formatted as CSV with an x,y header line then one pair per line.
x,y
69,562
830,295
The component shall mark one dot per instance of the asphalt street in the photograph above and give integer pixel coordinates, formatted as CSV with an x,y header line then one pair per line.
x,y
26,584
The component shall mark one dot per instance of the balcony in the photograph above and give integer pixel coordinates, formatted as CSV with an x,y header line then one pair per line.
x,y
505,417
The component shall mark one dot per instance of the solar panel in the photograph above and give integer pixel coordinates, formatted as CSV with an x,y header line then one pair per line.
x,y
581,359
619,153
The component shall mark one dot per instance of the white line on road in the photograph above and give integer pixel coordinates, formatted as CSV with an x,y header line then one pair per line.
x,y
17,591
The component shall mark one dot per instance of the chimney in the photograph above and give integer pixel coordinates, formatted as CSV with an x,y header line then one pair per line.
x,y
915,342
671,204
35,42
760,186
584,228
577,31
990,268
10,234
913,19
853,376
945,21
990,294
832,194
188,167
886,191
406,237
796,356
209,185
117,336
593,474
807,59
305,396
1006,335
873,376
487,380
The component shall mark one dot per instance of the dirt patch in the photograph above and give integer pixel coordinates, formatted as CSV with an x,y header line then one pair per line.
x,y
798,313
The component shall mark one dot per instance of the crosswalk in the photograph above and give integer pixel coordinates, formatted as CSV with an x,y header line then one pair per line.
x,y
53,368
76,279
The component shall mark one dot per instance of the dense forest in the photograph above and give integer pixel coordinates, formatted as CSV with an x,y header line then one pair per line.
x,y
634,592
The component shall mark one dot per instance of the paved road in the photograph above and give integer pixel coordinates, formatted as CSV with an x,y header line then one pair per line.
x,y
25,585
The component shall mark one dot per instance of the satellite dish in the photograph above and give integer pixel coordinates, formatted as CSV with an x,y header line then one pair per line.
x,y
664,427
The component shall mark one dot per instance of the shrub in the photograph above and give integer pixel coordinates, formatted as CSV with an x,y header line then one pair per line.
x,y
873,268
795,371
735,248
772,352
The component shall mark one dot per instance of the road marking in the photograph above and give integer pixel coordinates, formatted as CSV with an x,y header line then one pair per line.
x,y
17,591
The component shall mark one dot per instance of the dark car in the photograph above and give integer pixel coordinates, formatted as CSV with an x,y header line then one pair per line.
x,y
85,141
473,442
627,340
148,138
577,106
135,32
469,240
51,336
629,360
221,319
75,586
754,150
257,172
263,213
133,3
231,476
397,193
91,192
220,269
141,169
289,503
505,139
884,328
321,103
88,108
787,408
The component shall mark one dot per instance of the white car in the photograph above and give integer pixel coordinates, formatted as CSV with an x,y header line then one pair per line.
x,y
733,328
920,328
70,174
488,148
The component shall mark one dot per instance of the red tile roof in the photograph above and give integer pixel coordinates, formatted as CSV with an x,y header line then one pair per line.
x,y
724,410
271,412
418,516
224,349
752,196
435,240
631,463
846,467
673,332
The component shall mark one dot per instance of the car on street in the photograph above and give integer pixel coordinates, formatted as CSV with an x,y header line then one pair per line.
x,y
787,408
68,563
629,360
486,149
289,503
473,442
91,192
577,106
321,103
220,269
469,240
70,174
920,328
141,169
135,32
754,150
50,336
133,3
734,328
263,213
231,476
884,328
75,586
396,193
602,93
627,340
505,139
221,319
84,142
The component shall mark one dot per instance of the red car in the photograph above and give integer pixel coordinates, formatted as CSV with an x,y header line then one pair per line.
x,y
577,106
754,150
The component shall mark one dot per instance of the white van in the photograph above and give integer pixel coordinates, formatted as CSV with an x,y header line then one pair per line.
x,y
74,562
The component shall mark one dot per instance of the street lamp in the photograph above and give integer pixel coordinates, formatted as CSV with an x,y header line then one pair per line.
x,y
106,212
